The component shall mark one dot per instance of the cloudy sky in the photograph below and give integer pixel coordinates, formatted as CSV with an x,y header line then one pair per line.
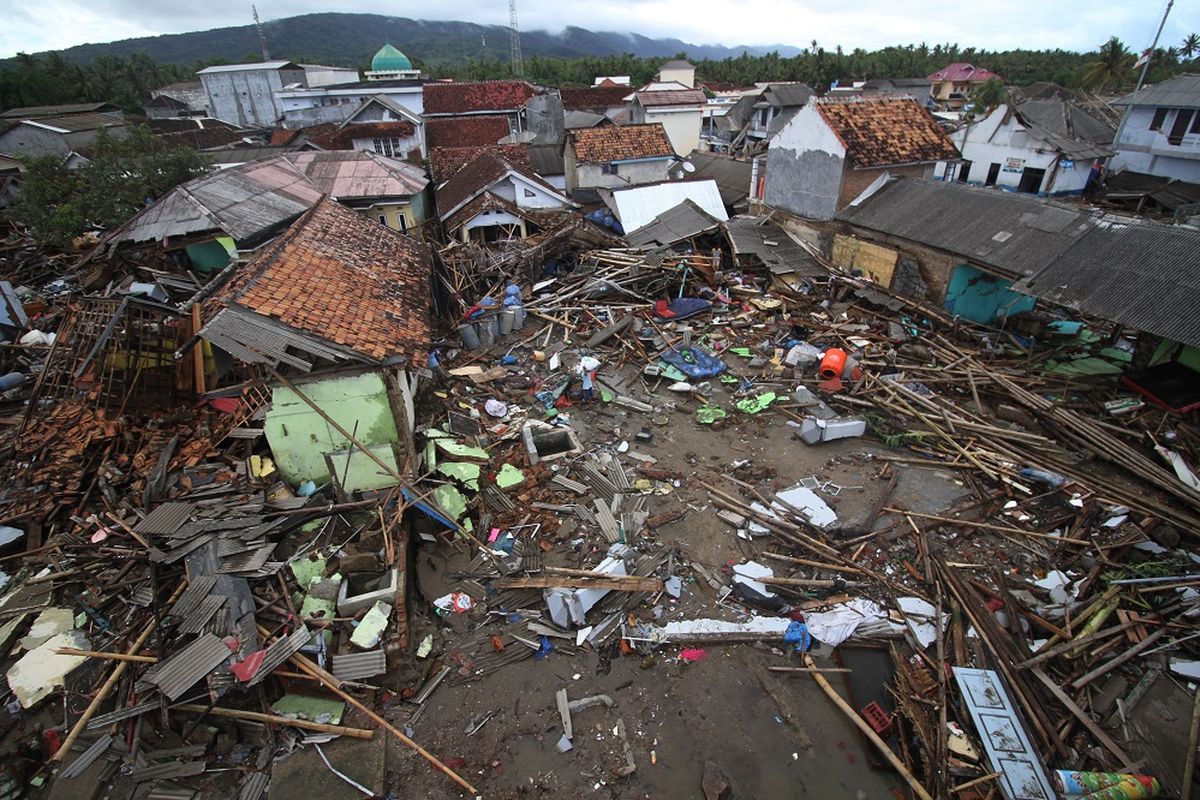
x,y
992,24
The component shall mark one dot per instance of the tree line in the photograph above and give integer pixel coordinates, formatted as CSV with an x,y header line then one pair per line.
x,y
127,82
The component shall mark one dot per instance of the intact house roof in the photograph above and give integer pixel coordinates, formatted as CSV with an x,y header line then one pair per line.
x,y
346,174
1182,91
1129,271
342,137
344,279
961,71
671,97
466,131
1012,234
74,123
445,161
480,175
886,131
593,98
469,98
620,143
33,112
573,120
204,138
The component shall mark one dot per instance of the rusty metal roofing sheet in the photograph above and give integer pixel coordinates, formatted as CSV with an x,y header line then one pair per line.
x,y
171,769
280,651
180,672
356,666
166,519
87,757
199,587
247,562
194,622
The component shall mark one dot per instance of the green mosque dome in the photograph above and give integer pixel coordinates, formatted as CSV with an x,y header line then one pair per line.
x,y
389,59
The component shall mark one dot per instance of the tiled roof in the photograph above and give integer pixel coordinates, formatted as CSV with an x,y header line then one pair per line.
x,y
465,131
346,279
445,161
594,97
351,174
613,143
961,71
672,97
88,121
203,138
464,98
342,138
887,131
478,176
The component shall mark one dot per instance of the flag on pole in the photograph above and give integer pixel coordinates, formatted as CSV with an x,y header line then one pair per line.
x,y
1143,58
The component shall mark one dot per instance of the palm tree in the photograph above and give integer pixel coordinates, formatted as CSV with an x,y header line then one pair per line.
x,y
1190,46
1111,66
988,95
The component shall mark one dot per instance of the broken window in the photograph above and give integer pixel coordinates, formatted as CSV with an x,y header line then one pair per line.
x,y
1183,119
1160,116
610,168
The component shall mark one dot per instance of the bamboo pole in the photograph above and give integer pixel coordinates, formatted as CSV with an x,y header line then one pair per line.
x,y
917,787
111,683
334,685
275,719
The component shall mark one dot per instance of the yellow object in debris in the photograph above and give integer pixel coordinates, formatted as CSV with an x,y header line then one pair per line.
x,y
261,466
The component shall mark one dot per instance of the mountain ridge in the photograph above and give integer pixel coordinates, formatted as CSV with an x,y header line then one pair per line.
x,y
347,39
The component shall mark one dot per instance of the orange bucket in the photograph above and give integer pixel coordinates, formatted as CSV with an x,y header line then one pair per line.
x,y
832,364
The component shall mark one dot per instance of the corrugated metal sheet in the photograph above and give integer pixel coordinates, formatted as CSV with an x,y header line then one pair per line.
x,y
104,720
767,242
639,205
171,769
1132,272
1022,776
194,622
674,225
732,175
356,666
171,792
181,671
87,757
253,787
280,651
256,339
353,174
166,519
199,587
1182,91
1013,234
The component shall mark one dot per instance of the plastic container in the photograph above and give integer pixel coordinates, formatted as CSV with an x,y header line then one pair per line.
x,y
486,332
506,318
832,364
469,338
518,317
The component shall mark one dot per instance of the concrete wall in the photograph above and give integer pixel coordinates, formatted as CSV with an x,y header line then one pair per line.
x,y
629,173
805,163
319,75
195,98
683,126
295,119
685,76
1143,150
544,117
247,97
982,297
294,102
401,146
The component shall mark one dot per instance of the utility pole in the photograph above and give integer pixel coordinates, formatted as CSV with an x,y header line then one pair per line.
x,y
518,68
1150,55
262,38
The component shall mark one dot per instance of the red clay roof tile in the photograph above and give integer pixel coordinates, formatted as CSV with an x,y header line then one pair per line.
x,y
881,132
620,143
465,131
464,98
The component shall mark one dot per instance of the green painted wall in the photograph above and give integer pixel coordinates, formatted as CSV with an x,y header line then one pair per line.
x,y
1171,351
300,438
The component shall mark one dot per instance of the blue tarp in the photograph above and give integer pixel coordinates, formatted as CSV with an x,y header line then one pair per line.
x,y
693,362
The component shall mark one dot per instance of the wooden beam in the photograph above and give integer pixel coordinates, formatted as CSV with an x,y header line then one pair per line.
x,y
615,583
1095,730
275,719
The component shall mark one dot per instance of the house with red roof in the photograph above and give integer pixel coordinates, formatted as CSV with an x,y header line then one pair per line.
x,y
533,113
835,148
951,86
491,198
679,108
617,156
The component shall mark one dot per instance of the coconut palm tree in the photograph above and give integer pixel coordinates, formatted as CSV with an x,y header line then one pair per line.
x,y
1111,67
1190,46
987,96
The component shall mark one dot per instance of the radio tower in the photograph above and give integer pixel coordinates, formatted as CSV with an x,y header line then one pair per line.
x,y
517,67
262,39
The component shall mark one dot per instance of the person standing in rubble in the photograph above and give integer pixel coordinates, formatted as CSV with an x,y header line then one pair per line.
x,y
587,370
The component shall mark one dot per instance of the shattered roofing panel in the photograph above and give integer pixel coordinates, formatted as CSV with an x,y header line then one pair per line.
x,y
484,202
356,666
674,225
767,242
166,519
887,131
620,143
346,279
466,131
463,98
280,651
639,206
181,671
1016,234
478,176
1135,273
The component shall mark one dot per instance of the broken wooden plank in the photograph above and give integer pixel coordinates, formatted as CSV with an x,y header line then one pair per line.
x,y
614,583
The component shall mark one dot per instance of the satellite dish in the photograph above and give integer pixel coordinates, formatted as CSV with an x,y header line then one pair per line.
x,y
688,166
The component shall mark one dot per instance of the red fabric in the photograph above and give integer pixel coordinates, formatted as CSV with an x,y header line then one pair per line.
x,y
226,405
661,309
244,671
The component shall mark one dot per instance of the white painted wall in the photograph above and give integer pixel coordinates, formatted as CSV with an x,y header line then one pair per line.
x,y
682,124
411,97
805,163
1142,150
686,76
320,75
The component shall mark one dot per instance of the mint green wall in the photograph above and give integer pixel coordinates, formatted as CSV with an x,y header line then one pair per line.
x,y
1171,351
975,295
300,438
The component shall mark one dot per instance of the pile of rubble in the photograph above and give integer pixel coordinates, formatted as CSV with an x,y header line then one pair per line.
x,y
177,620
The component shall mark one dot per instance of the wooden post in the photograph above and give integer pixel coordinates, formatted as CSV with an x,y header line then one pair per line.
x,y
275,719
197,353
